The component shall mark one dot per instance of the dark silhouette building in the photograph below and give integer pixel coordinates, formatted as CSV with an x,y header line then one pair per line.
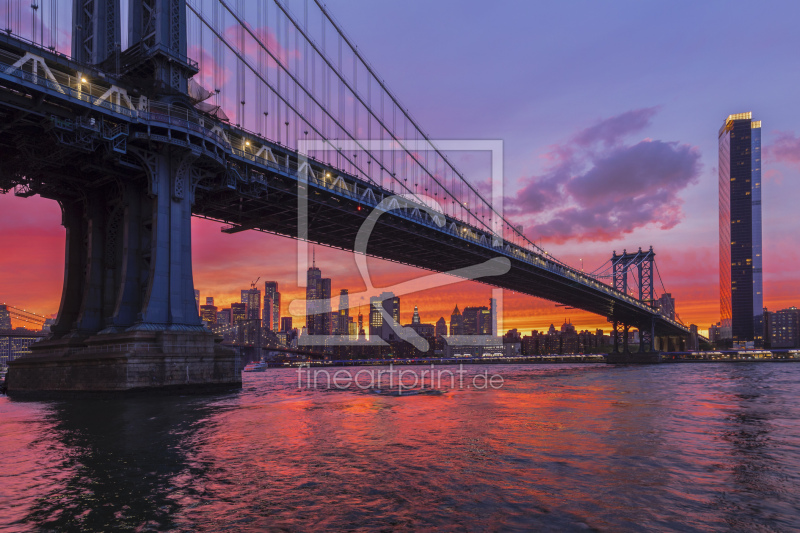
x,y
441,327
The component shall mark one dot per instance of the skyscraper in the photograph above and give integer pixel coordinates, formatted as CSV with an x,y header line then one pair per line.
x,y
441,327
493,318
224,317
325,326
378,327
266,314
415,318
208,312
342,325
271,293
313,277
740,277
456,322
238,312
476,321
252,299
5,317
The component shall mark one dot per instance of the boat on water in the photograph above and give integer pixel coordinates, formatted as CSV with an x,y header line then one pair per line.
x,y
255,367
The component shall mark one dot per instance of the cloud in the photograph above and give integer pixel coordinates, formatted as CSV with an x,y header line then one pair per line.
x,y
611,131
597,188
785,149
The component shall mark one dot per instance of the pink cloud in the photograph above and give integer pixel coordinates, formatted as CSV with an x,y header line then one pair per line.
x,y
785,149
598,188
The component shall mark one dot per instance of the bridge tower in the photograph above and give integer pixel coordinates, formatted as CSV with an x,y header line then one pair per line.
x,y
158,45
95,34
622,265
128,318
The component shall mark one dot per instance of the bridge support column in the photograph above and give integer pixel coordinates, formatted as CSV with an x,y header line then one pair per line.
x,y
647,336
625,336
621,336
128,317
670,341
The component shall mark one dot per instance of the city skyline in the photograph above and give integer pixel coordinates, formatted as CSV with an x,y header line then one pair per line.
x,y
548,133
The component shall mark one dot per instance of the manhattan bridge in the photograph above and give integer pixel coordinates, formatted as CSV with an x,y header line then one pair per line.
x,y
135,115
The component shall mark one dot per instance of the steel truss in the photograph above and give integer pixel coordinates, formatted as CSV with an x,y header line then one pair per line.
x,y
621,266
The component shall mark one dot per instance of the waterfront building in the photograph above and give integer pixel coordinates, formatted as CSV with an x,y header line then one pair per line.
x,y
569,339
17,344
741,298
767,328
271,293
785,328
566,341
496,348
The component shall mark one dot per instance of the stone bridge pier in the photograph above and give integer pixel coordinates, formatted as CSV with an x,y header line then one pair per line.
x,y
128,317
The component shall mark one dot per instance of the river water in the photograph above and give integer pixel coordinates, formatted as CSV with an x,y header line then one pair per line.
x,y
683,447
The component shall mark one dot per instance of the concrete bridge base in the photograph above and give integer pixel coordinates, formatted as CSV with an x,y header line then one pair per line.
x,y
633,358
169,361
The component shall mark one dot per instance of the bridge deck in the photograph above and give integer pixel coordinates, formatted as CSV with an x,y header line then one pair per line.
x,y
65,139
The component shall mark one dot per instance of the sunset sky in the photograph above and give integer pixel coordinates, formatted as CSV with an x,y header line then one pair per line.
x,y
608,113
